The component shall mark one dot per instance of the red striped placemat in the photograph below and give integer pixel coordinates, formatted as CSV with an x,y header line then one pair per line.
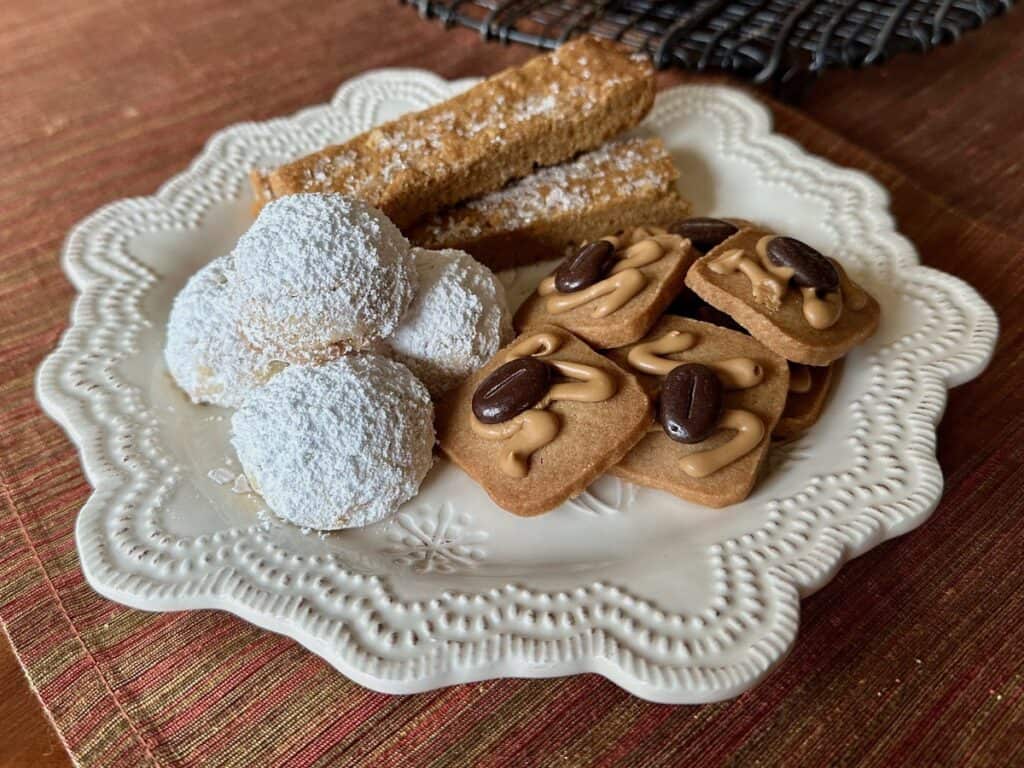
x,y
912,656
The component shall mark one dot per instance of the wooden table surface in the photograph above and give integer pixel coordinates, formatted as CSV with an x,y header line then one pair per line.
x,y
88,83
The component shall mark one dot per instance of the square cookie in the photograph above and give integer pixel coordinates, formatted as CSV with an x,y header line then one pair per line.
x,y
553,416
809,386
787,295
754,381
610,292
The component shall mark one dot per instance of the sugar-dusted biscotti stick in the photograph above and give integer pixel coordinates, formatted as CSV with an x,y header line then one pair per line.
x,y
541,113
540,216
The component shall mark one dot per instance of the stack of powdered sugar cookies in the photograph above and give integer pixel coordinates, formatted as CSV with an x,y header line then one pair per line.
x,y
330,335
358,320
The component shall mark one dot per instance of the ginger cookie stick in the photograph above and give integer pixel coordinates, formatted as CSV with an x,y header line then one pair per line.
x,y
541,113
561,207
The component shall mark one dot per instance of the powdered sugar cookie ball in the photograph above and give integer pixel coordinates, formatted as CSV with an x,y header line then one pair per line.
x,y
457,321
338,445
320,272
206,352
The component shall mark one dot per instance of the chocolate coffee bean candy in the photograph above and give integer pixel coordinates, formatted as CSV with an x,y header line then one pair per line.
x,y
584,268
691,403
810,268
704,232
516,386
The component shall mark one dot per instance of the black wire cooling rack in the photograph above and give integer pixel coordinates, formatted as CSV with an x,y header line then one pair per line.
x,y
780,41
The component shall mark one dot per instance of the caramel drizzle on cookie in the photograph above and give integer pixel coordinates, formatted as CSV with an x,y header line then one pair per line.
x,y
643,246
531,430
749,434
735,373
769,284
648,357
855,296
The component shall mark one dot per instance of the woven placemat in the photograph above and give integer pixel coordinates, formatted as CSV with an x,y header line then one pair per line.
x,y
927,629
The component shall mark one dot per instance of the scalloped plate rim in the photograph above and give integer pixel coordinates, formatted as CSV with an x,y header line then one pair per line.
x,y
62,407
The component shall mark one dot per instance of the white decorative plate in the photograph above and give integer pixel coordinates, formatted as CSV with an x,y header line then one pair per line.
x,y
674,602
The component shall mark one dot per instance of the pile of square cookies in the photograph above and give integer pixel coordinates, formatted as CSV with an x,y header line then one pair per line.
x,y
668,357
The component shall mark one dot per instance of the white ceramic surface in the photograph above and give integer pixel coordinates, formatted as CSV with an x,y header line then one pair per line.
x,y
674,602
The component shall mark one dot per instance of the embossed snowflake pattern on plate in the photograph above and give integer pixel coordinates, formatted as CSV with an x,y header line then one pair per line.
x,y
674,602
436,540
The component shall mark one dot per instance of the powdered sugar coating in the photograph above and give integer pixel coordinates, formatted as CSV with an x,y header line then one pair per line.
x,y
322,271
339,445
457,322
205,351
